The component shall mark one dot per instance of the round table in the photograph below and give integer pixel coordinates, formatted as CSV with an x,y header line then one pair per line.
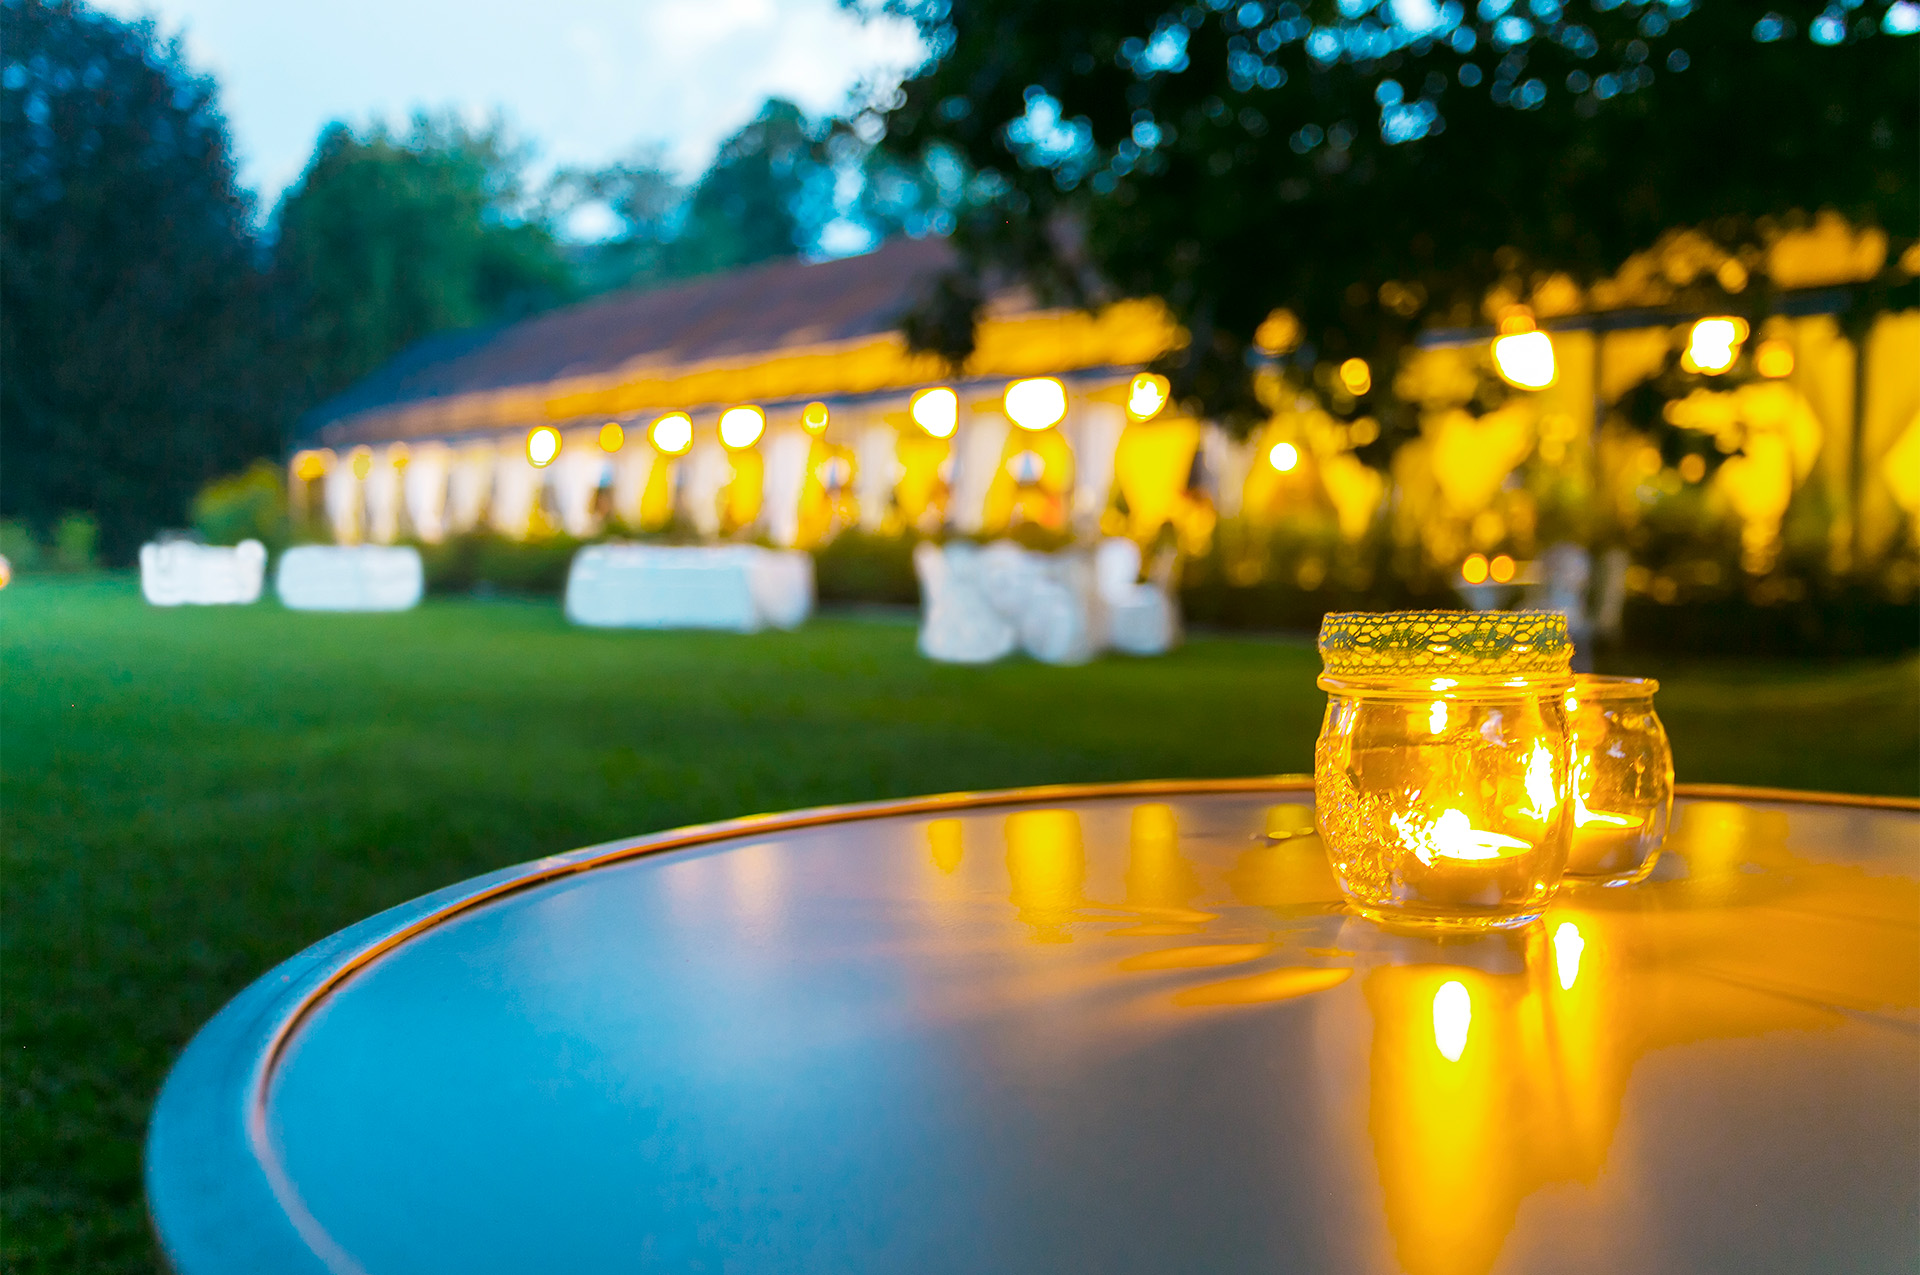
x,y
1114,1028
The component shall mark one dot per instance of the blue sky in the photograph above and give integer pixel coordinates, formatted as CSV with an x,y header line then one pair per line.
x,y
588,81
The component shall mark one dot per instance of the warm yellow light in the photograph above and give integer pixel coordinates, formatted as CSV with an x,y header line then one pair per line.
x,y
1284,457
1437,718
1453,836
672,433
543,445
6,571
1146,396
362,462
1713,344
813,418
742,426
1474,569
308,466
1036,403
1452,1019
1501,569
1277,333
1356,376
1773,359
1693,467
937,411
1525,359
1567,946
612,437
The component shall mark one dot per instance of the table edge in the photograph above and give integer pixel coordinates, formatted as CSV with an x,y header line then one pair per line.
x,y
217,1196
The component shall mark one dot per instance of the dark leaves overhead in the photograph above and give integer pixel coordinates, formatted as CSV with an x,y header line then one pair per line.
x,y
1378,167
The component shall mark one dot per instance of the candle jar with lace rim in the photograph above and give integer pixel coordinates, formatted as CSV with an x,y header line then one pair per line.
x,y
1441,773
1622,790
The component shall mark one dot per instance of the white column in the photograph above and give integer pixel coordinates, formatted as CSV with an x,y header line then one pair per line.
x,y
876,473
707,472
785,478
516,484
632,468
382,495
981,439
1094,433
576,476
425,484
343,502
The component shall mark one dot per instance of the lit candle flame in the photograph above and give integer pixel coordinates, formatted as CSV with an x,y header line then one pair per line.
x,y
1540,784
1437,717
1453,836
1567,946
1452,1017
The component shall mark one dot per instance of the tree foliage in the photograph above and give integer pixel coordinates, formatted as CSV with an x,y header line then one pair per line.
x,y
1379,167
388,238
137,348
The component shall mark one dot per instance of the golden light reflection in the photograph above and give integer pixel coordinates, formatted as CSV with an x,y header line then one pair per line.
x,y
1567,947
1046,866
944,844
813,418
361,461
1284,457
612,437
1474,569
1501,569
1452,1019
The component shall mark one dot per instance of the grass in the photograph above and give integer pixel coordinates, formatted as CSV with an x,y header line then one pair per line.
x,y
190,796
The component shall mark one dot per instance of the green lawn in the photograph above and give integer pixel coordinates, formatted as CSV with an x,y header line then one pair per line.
x,y
190,796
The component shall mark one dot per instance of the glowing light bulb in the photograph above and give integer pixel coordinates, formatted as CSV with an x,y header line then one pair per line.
x,y
742,426
672,433
813,418
1146,396
1356,376
1284,457
1774,359
612,437
1713,344
937,411
1525,359
1567,946
1452,1019
1501,569
543,445
1474,569
1036,403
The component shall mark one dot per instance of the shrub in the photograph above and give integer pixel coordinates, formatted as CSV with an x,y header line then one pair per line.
x,y
75,539
251,505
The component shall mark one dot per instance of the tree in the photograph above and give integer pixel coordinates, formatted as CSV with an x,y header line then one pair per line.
x,y
137,347
1375,168
387,239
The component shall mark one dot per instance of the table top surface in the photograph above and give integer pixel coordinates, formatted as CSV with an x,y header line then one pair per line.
x,y
1119,1029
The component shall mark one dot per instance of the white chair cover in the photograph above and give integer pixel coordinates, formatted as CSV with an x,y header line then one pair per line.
x,y
181,573
743,588
958,625
1143,617
350,578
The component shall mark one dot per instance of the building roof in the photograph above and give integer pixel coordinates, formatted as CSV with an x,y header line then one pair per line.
x,y
762,332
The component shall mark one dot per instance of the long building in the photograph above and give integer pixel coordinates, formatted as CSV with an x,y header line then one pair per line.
x,y
782,402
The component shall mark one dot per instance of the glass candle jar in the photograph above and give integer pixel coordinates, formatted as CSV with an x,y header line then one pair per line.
x,y
1441,773
1622,791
